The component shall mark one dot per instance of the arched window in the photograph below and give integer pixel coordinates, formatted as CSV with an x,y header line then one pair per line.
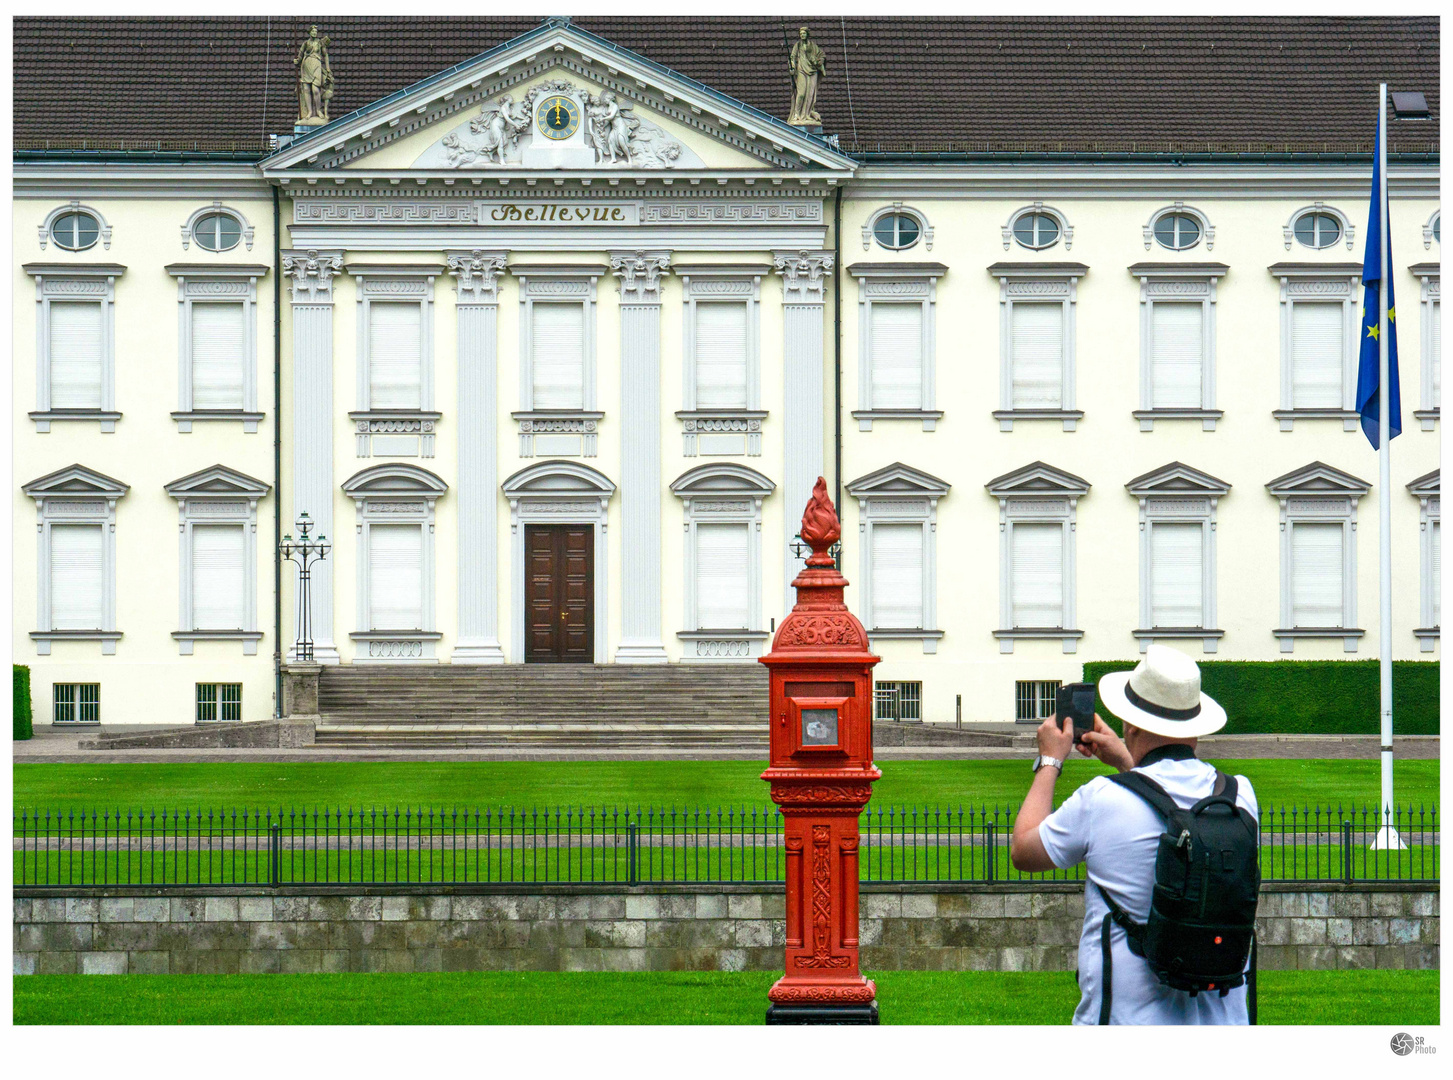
x,y
1179,228
1037,227
896,228
74,227
1319,227
216,228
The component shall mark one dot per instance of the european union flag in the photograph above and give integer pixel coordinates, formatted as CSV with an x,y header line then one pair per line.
x,y
1373,276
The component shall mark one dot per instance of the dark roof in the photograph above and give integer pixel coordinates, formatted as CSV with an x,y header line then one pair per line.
x,y
1114,85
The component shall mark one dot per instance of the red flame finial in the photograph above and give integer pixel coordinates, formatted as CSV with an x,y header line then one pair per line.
x,y
820,526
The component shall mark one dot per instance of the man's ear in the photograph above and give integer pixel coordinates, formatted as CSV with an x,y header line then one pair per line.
x,y
1129,728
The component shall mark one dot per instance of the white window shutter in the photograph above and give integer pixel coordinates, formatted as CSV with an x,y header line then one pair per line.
x,y
218,341
1316,574
557,336
1317,356
75,356
898,577
721,356
1175,574
1036,342
394,350
1437,572
1436,359
396,577
218,578
721,576
1036,575
76,577
1176,347
896,352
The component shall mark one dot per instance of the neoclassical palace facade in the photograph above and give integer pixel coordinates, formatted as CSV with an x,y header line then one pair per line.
x,y
552,344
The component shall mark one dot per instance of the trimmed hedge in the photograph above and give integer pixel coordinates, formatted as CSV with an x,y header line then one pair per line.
x,y
23,729
1312,697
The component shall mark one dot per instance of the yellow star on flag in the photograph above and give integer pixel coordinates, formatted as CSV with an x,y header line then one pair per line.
x,y
1372,330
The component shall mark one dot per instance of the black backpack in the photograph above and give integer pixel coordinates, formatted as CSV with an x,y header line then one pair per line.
x,y
1202,924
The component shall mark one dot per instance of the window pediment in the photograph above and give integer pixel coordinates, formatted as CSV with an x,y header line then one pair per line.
x,y
1039,478
558,478
394,479
722,478
1318,478
1428,485
1176,478
76,480
898,479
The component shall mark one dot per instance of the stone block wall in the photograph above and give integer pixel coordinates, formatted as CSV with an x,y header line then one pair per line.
x,y
708,927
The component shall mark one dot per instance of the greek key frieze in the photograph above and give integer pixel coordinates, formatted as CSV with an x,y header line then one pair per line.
x,y
444,212
802,212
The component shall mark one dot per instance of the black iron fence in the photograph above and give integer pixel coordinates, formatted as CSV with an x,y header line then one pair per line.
x,y
623,846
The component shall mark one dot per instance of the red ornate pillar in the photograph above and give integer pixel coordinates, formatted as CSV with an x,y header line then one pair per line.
x,y
821,774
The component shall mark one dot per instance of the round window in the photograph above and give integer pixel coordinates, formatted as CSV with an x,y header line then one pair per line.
x,y
217,232
1177,231
75,230
1036,230
896,231
1317,230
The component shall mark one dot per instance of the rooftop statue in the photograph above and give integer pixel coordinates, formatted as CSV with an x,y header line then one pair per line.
x,y
807,64
315,79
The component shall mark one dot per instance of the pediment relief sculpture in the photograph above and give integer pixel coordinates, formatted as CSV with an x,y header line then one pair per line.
x,y
609,131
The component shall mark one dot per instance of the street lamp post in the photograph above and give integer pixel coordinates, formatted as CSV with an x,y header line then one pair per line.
x,y
306,551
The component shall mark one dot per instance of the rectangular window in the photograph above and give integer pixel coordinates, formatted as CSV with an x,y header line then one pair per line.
x,y
219,342
1037,342
1435,358
396,577
557,337
76,703
1036,575
721,576
219,701
1436,563
1175,575
1034,700
898,701
75,356
76,577
897,577
897,356
721,356
218,577
1318,349
1177,344
394,350
1316,574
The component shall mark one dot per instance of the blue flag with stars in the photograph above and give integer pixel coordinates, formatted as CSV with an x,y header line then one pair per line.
x,y
1373,275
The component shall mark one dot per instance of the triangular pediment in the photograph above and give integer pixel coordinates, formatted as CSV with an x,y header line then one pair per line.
x,y
1427,485
898,479
1176,478
1318,477
1038,478
76,480
218,482
482,116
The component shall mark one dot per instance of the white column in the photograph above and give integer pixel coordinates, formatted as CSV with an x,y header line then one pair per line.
x,y
640,283
311,274
803,408
476,275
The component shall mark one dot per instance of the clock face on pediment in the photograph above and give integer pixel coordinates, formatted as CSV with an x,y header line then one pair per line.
x,y
558,116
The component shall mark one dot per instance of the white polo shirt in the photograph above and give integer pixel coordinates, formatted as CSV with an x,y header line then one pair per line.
x,y
1115,833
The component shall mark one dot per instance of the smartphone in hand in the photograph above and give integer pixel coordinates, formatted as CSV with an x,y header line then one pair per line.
x,y
1077,701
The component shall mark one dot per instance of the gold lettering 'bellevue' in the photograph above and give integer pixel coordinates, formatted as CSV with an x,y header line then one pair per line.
x,y
563,214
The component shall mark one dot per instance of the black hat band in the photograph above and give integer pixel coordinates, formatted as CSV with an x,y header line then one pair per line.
x,y
1160,710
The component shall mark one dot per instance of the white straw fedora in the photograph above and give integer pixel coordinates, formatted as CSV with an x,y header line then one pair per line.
x,y
1163,696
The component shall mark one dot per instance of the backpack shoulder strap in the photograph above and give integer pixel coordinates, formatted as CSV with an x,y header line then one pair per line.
x,y
1223,790
1149,790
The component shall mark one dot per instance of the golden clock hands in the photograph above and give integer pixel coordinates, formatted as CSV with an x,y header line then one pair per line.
x,y
557,110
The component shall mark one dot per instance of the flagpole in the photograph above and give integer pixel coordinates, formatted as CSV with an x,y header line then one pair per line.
x,y
1387,835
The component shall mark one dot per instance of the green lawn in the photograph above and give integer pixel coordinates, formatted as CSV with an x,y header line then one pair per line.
x,y
611,783
1402,998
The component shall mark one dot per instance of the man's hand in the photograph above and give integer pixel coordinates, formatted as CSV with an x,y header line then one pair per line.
x,y
1103,743
1054,741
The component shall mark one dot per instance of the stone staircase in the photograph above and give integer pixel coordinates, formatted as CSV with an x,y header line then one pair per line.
x,y
557,707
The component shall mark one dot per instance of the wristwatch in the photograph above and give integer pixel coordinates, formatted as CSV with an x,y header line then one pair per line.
x,y
1040,760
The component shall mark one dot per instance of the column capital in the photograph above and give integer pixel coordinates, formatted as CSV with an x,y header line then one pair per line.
x,y
802,275
476,275
640,274
311,272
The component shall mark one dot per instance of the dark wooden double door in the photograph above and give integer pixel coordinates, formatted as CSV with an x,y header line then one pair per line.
x,y
559,594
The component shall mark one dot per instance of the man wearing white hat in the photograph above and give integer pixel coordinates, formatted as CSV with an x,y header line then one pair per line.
x,y
1116,832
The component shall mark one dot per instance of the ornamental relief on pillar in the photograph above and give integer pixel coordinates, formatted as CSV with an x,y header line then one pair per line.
x,y
803,275
311,273
640,274
476,275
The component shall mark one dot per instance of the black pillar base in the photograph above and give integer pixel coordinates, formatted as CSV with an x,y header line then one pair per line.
x,y
823,1014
